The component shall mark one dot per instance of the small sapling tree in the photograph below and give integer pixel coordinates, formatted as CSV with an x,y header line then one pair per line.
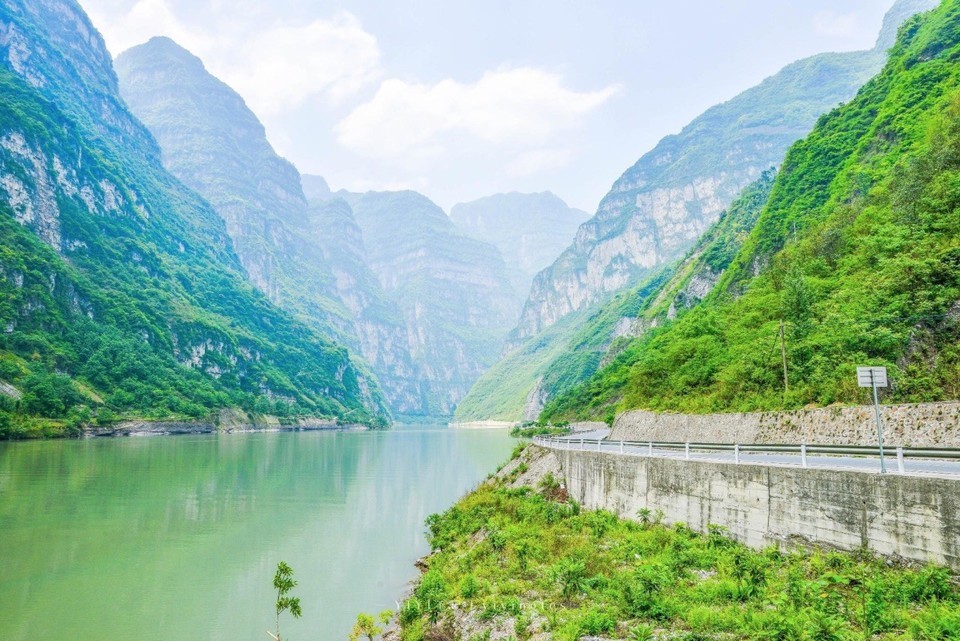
x,y
283,582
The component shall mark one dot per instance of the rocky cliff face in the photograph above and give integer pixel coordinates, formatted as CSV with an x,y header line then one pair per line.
x,y
120,288
401,288
452,292
381,334
217,146
661,205
530,230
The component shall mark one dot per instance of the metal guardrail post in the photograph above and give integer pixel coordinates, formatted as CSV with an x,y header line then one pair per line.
x,y
900,459
621,447
599,445
581,445
736,453
803,454
650,448
686,450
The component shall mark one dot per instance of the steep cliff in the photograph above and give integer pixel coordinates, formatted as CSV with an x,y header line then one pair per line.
x,y
452,291
214,144
853,261
570,351
121,292
530,230
601,290
392,287
660,206
381,333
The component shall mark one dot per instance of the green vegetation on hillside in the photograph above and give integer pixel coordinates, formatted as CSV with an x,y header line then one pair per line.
x,y
856,253
537,560
119,295
568,353
726,147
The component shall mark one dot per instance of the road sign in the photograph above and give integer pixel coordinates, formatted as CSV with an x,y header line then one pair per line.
x,y
872,376
875,377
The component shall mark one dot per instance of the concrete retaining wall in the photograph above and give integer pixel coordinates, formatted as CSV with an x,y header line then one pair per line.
x,y
926,424
915,518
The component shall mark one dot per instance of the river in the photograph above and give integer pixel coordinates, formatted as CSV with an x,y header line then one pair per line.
x,y
168,538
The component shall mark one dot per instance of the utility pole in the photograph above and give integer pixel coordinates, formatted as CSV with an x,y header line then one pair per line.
x,y
783,355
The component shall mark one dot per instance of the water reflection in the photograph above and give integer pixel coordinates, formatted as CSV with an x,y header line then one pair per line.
x,y
164,538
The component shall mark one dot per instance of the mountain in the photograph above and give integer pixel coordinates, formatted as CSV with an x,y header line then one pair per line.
x,y
121,293
655,212
214,144
352,274
569,352
452,291
315,187
530,230
854,260
377,322
660,206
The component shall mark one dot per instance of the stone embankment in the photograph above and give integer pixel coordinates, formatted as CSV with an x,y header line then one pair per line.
x,y
919,425
225,421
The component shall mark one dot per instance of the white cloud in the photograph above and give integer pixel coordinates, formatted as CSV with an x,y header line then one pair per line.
x,y
837,25
285,66
517,110
274,67
143,20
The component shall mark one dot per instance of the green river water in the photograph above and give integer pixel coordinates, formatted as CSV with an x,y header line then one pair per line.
x,y
178,537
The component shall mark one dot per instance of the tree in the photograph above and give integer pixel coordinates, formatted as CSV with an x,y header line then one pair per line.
x,y
367,626
283,582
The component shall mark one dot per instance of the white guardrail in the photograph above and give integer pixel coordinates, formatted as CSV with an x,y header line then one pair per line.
x,y
739,452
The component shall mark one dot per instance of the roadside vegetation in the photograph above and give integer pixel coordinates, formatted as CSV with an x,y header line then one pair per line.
x,y
532,561
529,429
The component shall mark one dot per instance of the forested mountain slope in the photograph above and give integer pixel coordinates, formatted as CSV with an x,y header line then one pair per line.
x,y
569,352
659,208
121,294
212,142
857,253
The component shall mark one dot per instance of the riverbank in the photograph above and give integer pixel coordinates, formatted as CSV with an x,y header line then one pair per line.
x,y
516,558
224,421
166,428
483,425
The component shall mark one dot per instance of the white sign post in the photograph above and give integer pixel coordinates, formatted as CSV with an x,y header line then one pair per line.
x,y
875,377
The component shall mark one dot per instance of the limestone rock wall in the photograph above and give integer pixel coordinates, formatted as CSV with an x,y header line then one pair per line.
x,y
919,425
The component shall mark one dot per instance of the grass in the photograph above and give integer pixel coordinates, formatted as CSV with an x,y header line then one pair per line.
x,y
508,554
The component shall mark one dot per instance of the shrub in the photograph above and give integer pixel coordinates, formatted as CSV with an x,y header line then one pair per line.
x,y
470,587
939,623
596,622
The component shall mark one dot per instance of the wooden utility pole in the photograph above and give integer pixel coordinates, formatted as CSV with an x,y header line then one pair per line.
x,y
783,355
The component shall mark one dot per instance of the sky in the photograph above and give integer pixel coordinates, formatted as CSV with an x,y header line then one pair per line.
x,y
460,100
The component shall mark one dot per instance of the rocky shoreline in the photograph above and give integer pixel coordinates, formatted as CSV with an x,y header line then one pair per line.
x,y
226,422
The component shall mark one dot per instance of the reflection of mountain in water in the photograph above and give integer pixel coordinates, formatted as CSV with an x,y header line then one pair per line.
x,y
183,534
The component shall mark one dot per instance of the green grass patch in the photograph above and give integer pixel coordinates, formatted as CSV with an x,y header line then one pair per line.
x,y
511,553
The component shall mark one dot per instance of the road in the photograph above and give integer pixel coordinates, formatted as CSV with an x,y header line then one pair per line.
x,y
865,463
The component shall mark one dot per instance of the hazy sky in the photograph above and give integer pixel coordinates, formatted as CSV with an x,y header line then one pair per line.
x,y
464,99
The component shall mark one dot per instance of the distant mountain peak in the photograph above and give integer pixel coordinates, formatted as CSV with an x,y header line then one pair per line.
x,y
896,16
